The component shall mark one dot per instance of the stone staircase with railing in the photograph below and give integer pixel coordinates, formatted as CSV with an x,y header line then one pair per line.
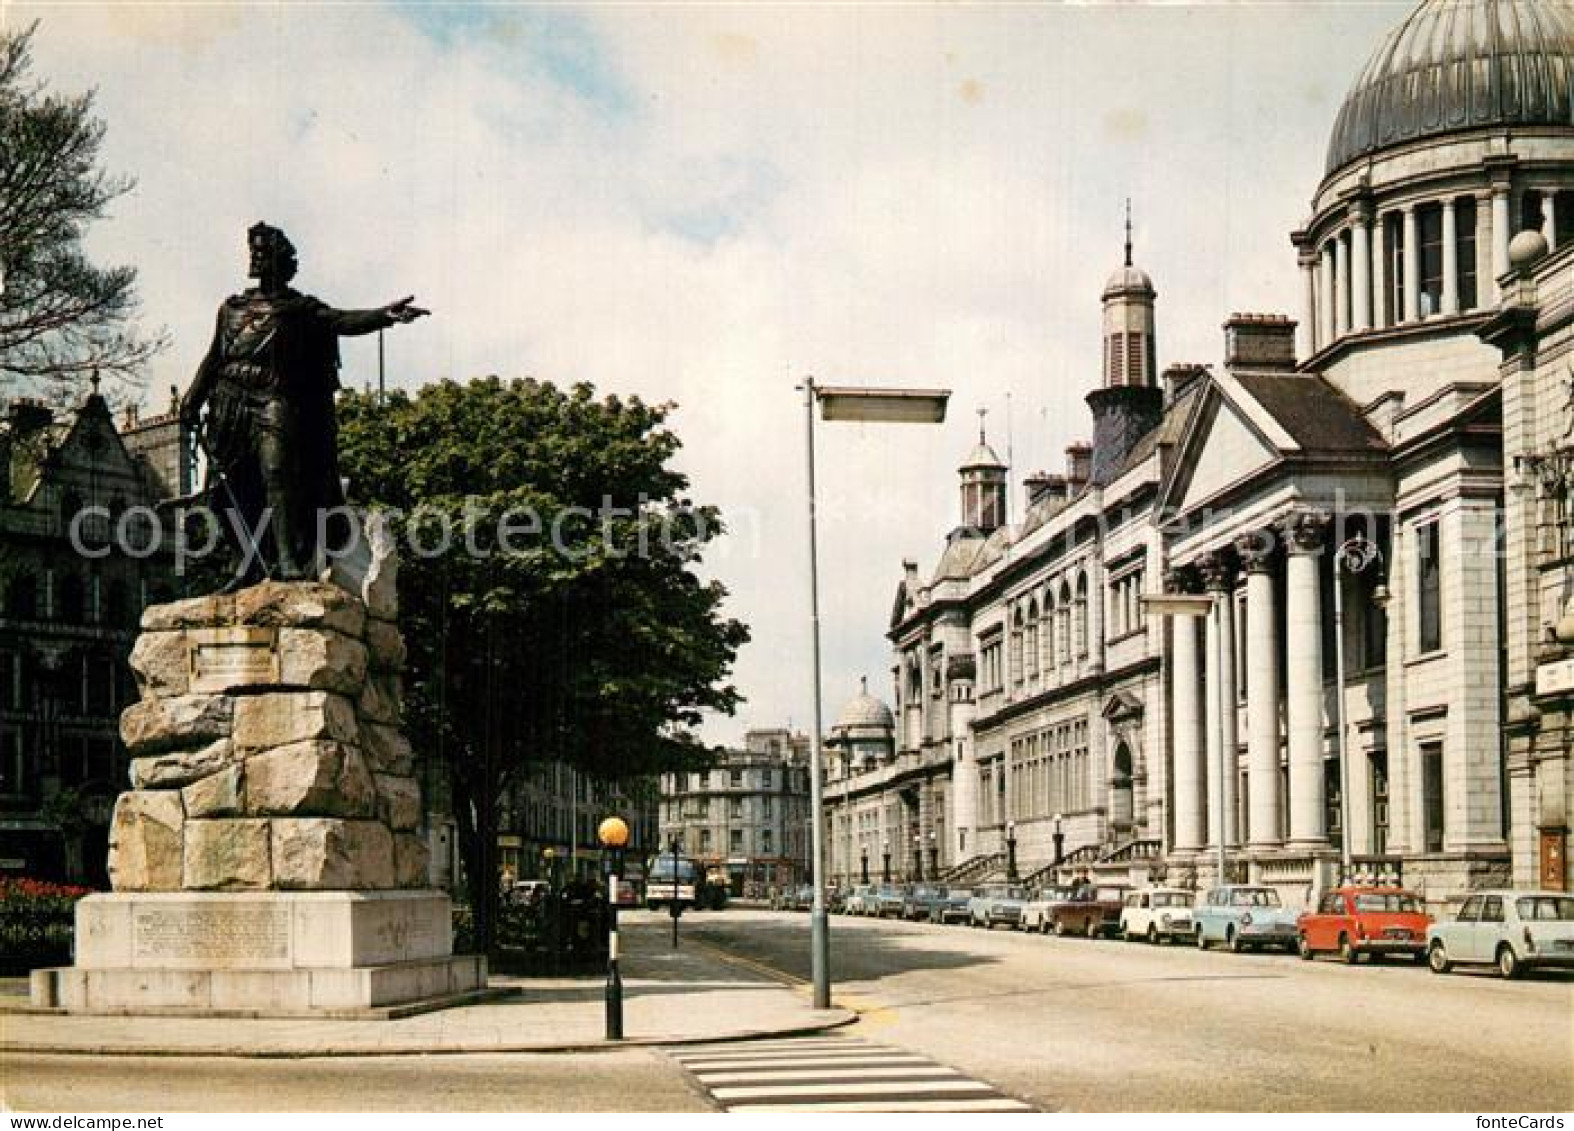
x,y
974,869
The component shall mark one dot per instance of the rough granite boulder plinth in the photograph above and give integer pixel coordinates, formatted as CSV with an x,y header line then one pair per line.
x,y
267,861
267,752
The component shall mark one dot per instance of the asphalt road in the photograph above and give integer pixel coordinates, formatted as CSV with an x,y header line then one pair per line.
x,y
1063,1023
1103,1025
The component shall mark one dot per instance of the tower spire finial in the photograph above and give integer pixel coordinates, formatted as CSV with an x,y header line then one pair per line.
x,y
982,412
1128,231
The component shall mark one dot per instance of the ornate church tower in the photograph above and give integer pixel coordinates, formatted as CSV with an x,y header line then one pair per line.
x,y
1130,402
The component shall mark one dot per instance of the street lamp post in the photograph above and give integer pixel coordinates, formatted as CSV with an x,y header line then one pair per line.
x,y
1353,556
1011,852
918,857
613,833
891,406
864,864
674,908
934,856
885,867
1060,843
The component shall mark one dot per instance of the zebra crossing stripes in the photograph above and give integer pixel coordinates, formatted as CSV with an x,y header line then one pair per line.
x,y
834,1074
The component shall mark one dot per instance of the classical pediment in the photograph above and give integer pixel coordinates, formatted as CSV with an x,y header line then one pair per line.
x,y
1223,446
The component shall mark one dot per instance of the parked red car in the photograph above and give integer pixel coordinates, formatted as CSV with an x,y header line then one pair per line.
x,y
1352,921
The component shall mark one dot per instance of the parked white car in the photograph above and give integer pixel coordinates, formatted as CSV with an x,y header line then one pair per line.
x,y
1512,930
857,901
1157,915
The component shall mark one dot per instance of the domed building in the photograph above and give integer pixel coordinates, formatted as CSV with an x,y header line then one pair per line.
x,y
1306,615
1362,477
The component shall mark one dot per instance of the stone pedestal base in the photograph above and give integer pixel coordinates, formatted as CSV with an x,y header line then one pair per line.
x,y
262,954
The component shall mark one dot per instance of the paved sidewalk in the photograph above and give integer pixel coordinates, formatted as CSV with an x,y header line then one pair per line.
x,y
694,994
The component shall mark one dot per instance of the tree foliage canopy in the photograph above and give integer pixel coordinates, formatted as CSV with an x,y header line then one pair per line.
x,y
61,317
563,620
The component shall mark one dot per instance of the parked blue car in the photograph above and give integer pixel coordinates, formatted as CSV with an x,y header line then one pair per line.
x,y
1244,915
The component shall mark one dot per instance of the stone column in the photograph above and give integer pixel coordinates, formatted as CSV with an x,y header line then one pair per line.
x,y
1502,232
1549,218
1213,726
1325,292
1361,267
1412,270
1186,693
1304,532
1450,259
1379,276
1218,572
1262,691
1341,285
1486,292
1306,333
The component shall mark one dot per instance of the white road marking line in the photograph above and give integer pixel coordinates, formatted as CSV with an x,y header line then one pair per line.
x,y
1002,1103
894,1074
959,1087
869,1059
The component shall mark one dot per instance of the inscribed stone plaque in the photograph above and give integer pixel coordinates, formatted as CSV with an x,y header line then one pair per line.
x,y
237,936
222,658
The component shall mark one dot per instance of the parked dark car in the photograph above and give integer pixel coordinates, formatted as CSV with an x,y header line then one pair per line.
x,y
1091,911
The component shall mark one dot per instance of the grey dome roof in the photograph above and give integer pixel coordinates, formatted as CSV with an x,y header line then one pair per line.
x,y
1459,65
863,711
1128,279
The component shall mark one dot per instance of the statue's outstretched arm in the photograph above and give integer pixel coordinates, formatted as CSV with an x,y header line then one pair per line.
x,y
350,323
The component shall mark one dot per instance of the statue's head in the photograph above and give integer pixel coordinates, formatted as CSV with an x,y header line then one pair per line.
x,y
272,253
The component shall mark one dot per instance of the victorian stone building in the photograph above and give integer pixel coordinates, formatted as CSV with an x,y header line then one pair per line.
x,y
748,815
1148,663
68,618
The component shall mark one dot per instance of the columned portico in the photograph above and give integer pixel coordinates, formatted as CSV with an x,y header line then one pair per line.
x,y
1306,331
1304,534
1262,694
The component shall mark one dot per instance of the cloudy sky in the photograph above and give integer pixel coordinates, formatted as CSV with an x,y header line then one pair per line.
x,y
702,203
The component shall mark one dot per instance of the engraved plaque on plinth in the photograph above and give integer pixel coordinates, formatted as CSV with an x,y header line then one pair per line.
x,y
222,658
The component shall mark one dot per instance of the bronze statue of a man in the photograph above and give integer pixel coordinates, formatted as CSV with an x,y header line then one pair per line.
x,y
268,383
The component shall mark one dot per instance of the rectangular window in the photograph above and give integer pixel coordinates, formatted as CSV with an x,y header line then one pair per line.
x,y
705,841
765,779
766,845
1429,222
1394,253
735,778
735,808
735,842
1429,596
1331,800
1465,227
1432,795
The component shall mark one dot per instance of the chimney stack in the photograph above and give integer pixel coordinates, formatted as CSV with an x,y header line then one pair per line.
x,y
1179,377
1041,486
1079,466
1259,341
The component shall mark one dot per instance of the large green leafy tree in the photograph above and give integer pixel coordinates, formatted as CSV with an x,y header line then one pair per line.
x,y
62,318
563,621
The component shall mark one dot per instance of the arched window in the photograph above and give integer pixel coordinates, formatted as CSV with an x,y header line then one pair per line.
x,y
1080,616
1030,640
1064,641
1120,802
1016,646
